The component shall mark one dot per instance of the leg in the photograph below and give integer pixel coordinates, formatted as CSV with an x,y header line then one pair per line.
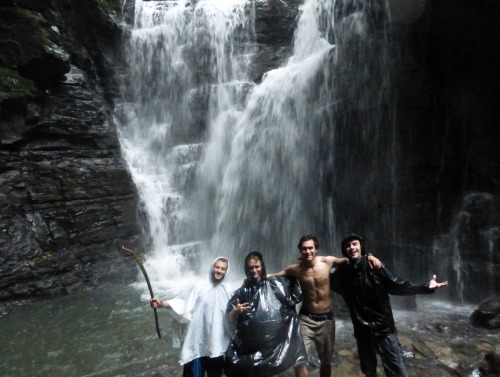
x,y
185,370
324,340
367,353
195,368
301,371
307,334
391,356
214,366
325,370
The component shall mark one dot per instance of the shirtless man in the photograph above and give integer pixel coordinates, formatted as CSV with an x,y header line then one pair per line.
x,y
316,316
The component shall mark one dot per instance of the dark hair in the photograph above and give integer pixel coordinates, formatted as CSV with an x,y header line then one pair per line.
x,y
349,238
308,237
255,255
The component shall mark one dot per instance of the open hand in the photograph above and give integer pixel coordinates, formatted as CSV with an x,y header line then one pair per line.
x,y
240,308
433,284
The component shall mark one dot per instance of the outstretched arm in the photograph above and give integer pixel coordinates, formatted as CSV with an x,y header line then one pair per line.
x,y
433,284
402,287
280,274
287,271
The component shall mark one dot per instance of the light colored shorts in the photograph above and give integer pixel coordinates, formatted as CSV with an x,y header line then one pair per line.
x,y
321,333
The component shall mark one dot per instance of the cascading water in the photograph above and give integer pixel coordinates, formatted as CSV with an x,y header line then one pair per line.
x,y
268,192
466,254
225,166
181,76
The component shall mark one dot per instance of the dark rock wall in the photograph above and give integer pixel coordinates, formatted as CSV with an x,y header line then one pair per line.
x,y
67,200
447,85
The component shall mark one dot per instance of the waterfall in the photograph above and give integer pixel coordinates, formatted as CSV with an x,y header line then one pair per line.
x,y
225,162
181,75
267,193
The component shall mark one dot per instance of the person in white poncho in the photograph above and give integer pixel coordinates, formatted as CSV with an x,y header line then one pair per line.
x,y
208,330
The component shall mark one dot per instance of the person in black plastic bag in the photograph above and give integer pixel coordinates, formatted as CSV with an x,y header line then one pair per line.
x,y
267,339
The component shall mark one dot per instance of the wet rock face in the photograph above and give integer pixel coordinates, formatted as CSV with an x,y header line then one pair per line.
x,y
66,197
445,76
274,35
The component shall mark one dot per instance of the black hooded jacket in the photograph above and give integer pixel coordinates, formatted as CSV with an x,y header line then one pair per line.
x,y
366,292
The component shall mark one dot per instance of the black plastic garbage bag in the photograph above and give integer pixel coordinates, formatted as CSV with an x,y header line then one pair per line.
x,y
267,339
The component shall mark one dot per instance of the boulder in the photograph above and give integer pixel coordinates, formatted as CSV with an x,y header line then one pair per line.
x,y
490,367
487,315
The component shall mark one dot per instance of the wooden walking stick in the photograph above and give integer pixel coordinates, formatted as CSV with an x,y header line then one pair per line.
x,y
139,262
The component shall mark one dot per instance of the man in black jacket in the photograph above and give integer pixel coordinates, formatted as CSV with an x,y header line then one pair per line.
x,y
366,293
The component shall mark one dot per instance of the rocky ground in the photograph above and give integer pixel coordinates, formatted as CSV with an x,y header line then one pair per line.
x,y
437,344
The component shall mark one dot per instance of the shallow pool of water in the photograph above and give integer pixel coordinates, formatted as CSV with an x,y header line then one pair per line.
x,y
108,332
111,332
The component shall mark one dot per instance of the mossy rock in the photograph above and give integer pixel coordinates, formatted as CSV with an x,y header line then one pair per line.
x,y
15,87
37,5
110,6
30,45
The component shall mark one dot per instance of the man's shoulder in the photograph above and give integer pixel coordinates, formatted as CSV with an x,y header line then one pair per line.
x,y
328,260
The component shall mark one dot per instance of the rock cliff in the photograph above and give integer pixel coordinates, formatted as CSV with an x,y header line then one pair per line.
x,y
66,197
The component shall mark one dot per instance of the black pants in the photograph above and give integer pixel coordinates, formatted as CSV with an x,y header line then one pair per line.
x,y
197,367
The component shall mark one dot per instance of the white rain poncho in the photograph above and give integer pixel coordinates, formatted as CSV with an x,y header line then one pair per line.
x,y
203,308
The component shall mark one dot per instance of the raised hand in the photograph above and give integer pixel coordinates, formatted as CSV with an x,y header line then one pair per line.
x,y
240,308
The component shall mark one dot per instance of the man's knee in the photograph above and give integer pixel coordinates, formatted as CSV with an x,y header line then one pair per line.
x,y
301,371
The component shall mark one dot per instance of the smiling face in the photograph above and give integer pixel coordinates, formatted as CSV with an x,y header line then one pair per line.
x,y
308,251
255,268
353,250
219,270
